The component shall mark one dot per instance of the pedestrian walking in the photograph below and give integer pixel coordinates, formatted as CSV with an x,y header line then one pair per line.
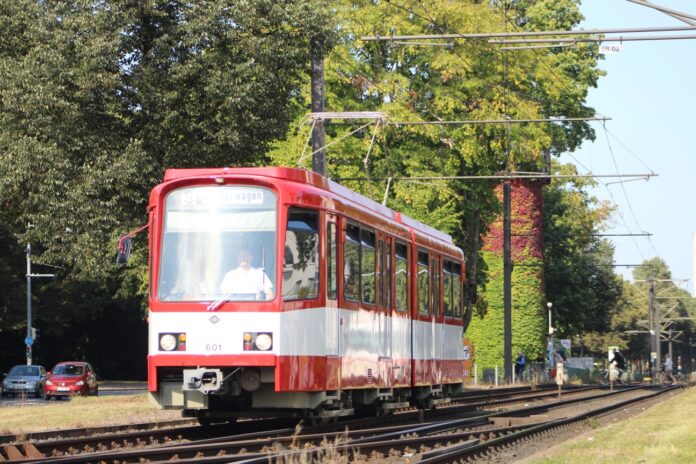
x,y
619,364
669,369
520,363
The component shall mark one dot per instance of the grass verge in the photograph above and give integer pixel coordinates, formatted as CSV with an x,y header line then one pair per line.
x,y
94,411
664,433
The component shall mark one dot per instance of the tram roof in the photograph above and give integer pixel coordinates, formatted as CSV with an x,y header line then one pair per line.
x,y
311,178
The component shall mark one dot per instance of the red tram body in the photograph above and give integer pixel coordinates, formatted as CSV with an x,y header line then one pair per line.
x,y
363,306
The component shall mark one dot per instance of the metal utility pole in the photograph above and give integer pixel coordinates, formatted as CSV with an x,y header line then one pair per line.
x,y
550,305
653,330
657,325
507,281
318,95
29,340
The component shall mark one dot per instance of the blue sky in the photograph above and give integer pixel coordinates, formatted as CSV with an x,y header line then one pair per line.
x,y
650,94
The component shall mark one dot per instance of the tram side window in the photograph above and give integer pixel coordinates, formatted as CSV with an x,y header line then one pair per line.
x,y
388,276
384,276
435,285
447,297
301,257
351,263
380,272
331,283
457,293
401,277
423,280
367,266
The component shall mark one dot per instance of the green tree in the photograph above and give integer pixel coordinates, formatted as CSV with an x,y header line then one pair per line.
x,y
675,305
98,98
580,278
466,80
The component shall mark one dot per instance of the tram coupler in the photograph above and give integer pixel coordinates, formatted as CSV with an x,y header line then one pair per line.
x,y
203,380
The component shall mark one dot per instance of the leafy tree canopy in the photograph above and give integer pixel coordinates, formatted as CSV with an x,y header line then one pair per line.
x,y
98,98
466,80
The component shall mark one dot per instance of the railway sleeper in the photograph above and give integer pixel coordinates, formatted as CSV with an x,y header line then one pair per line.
x,y
20,452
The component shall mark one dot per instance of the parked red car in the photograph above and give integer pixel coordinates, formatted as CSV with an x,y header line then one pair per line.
x,y
71,378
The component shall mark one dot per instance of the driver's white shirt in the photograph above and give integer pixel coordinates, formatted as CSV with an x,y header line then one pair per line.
x,y
243,281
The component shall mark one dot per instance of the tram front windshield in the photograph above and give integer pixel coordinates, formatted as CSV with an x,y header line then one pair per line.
x,y
214,240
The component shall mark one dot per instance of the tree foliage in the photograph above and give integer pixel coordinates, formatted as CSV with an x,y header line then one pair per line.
x,y
98,98
580,282
465,80
527,285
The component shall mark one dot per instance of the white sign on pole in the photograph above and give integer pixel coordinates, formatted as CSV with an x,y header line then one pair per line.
x,y
565,342
559,374
607,49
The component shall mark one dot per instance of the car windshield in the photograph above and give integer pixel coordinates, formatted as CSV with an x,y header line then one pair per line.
x,y
68,369
24,371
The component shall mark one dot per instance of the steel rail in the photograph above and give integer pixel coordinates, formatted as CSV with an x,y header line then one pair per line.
x,y
123,445
302,445
471,450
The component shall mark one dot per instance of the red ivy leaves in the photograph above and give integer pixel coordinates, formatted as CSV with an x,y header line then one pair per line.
x,y
527,221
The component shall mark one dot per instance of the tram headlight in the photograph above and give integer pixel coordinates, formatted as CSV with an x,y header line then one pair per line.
x,y
263,342
257,341
172,341
168,342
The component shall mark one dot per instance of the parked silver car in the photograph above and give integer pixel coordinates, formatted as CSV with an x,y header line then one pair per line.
x,y
24,379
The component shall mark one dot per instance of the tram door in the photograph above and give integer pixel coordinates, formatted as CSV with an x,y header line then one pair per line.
x,y
438,318
333,319
385,326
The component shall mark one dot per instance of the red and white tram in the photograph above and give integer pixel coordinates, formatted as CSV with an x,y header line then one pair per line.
x,y
361,307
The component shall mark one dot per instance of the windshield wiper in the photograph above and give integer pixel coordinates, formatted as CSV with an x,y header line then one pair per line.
x,y
226,297
220,301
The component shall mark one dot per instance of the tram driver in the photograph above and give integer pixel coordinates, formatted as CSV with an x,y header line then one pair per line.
x,y
246,282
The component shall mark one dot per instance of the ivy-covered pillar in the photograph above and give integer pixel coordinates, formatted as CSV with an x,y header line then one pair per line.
x,y
486,330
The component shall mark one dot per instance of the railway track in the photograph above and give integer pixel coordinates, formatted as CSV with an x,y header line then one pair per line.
x,y
128,435
426,434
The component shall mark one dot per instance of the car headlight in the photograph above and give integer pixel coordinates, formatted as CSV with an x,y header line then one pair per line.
x,y
168,342
48,382
80,383
263,342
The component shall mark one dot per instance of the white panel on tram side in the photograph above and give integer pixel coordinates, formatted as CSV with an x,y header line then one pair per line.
x,y
401,338
423,340
332,328
438,340
384,335
358,338
307,333
212,332
453,347
304,332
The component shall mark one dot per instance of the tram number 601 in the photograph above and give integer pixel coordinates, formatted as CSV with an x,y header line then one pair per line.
x,y
213,347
